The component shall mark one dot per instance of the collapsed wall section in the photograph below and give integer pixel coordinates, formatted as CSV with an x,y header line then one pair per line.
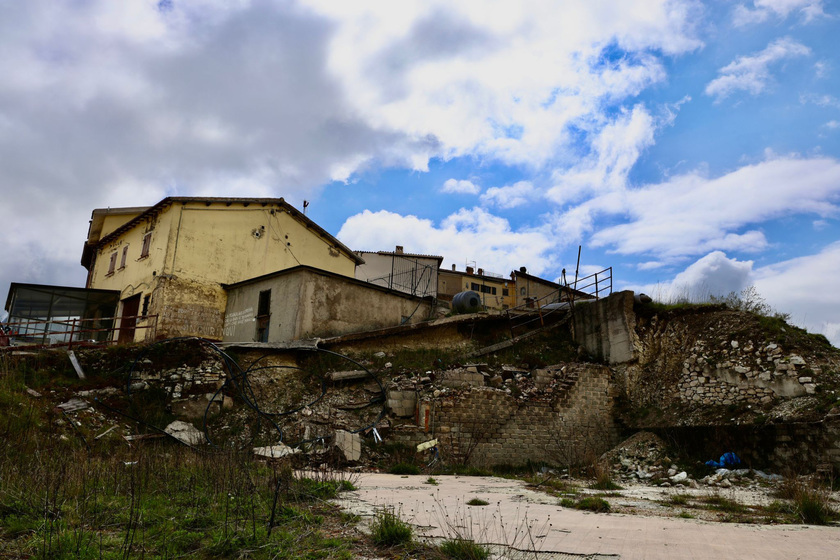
x,y
570,421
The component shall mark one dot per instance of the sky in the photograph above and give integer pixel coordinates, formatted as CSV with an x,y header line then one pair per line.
x,y
694,147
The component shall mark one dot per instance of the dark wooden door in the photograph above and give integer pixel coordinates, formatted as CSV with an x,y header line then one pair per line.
x,y
129,318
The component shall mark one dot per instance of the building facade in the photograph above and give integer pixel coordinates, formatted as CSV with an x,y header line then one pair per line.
x,y
170,260
409,273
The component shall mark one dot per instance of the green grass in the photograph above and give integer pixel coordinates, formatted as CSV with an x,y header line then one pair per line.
x,y
404,468
678,499
388,529
464,549
431,481
589,503
593,503
478,502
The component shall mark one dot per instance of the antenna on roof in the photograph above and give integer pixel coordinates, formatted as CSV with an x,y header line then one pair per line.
x,y
305,205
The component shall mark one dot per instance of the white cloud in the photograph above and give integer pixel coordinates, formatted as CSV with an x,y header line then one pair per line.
x,y
832,125
462,186
781,9
511,196
797,286
693,214
824,100
752,73
803,287
509,81
615,149
714,274
468,235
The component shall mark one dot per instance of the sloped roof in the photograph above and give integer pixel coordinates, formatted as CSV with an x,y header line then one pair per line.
x,y
170,200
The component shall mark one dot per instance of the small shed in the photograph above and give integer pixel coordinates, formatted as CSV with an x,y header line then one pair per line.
x,y
305,302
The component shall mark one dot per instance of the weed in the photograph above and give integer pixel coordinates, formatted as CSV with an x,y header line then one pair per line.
x,y
478,502
593,503
388,529
464,549
678,499
431,481
603,480
404,468
685,515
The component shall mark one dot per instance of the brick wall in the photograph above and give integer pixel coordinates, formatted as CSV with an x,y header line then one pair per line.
x,y
570,422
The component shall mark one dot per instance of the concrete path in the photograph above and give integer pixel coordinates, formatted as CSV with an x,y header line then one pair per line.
x,y
526,519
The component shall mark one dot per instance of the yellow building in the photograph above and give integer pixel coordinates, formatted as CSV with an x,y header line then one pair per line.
x,y
497,292
170,260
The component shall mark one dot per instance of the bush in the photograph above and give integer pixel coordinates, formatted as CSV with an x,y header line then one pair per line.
x,y
477,502
464,549
404,468
593,503
389,530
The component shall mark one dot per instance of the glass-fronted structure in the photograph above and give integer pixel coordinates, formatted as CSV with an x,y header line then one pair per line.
x,y
40,314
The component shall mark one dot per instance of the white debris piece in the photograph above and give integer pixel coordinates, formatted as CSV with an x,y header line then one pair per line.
x,y
275,451
185,432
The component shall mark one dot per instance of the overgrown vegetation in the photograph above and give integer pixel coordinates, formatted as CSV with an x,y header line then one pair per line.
x,y
388,529
66,494
464,549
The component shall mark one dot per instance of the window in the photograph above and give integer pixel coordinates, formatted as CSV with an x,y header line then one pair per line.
x,y
475,287
124,255
263,315
493,291
146,299
505,292
147,242
113,264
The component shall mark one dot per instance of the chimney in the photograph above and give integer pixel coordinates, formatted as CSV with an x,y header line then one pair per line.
x,y
399,250
453,268
481,272
469,270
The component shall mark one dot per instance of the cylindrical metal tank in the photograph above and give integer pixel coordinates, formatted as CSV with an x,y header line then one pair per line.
x,y
467,302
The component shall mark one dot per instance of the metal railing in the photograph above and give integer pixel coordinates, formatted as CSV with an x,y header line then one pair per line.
x,y
536,312
408,276
595,284
75,331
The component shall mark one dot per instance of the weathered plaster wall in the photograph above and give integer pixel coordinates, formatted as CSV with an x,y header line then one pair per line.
x,y
307,304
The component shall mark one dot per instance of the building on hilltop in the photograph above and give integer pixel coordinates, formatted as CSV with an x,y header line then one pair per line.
x,y
171,259
409,273
496,291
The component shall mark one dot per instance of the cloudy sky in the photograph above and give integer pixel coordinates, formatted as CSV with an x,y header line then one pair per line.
x,y
692,146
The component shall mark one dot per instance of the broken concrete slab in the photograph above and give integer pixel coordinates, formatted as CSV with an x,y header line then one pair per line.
x,y
275,451
348,375
185,432
73,405
349,444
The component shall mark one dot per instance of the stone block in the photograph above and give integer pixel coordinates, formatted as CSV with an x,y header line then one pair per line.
x,y
349,444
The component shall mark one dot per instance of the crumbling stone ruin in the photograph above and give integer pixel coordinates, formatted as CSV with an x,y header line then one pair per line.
x,y
706,379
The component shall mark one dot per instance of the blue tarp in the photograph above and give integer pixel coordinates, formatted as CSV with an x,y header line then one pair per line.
x,y
727,461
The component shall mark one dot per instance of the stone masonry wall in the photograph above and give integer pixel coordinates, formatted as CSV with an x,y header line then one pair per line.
x,y
485,426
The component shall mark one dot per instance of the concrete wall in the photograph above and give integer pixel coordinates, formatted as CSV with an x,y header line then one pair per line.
x,y
606,328
307,303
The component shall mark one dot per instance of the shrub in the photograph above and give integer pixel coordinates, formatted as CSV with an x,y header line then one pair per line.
x,y
389,530
593,503
404,468
464,549
477,502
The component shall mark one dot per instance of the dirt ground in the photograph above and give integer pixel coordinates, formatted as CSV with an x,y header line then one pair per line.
x,y
520,518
